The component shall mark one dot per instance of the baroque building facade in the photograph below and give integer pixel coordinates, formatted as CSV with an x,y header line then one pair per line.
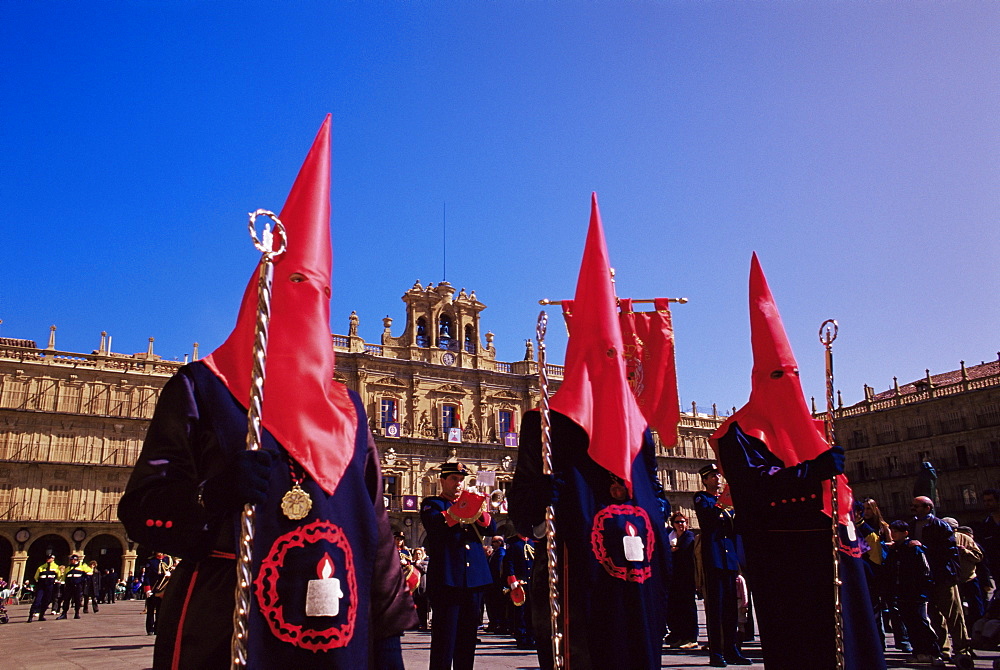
x,y
951,420
72,425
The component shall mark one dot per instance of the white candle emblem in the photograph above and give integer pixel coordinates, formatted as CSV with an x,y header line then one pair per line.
x,y
633,544
323,595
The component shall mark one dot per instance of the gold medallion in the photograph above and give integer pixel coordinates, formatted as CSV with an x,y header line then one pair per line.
x,y
296,503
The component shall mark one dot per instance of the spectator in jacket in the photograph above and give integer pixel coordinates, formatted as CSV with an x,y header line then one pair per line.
x,y
938,540
909,586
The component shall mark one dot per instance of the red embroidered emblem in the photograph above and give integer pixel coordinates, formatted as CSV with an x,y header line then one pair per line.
x,y
613,561
312,639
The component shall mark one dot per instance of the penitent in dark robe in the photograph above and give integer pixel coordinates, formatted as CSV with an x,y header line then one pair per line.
x,y
327,588
614,608
778,467
613,555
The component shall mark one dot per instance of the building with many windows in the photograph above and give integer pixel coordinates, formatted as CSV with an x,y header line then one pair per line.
x,y
951,420
72,425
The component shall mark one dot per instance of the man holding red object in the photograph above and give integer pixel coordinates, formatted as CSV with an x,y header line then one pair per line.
x,y
457,572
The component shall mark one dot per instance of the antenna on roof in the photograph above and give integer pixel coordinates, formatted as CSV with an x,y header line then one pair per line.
x,y
444,242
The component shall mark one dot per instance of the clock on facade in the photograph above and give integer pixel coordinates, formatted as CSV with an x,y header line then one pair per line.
x,y
448,358
23,535
79,535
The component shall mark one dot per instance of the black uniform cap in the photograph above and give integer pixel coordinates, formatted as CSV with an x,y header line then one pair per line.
x,y
453,468
705,471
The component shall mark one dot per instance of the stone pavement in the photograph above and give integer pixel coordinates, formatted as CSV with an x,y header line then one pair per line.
x,y
115,639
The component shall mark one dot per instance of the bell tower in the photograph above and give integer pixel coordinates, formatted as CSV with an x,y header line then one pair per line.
x,y
442,327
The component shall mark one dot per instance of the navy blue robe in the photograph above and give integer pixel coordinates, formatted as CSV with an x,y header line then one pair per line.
x,y
614,610
196,429
788,543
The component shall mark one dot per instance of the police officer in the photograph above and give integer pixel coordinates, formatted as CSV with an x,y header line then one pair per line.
x,y
74,578
45,580
92,588
457,572
721,563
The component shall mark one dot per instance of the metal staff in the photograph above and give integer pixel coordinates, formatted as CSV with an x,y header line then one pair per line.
x,y
550,511
827,334
265,245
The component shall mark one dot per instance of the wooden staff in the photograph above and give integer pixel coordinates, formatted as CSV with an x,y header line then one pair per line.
x,y
244,577
550,511
827,334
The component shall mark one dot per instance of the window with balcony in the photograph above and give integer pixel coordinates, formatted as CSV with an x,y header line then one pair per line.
x,y
952,422
505,419
988,415
962,456
69,397
62,448
917,430
885,433
862,470
387,412
449,418
857,440
56,503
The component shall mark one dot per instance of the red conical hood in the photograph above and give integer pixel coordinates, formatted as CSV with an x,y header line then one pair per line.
x,y
595,392
771,349
309,414
777,412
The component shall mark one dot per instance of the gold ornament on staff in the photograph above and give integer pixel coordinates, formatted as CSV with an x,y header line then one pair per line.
x,y
827,334
265,245
550,511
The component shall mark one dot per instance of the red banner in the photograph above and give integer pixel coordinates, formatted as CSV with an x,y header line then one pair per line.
x,y
649,362
648,339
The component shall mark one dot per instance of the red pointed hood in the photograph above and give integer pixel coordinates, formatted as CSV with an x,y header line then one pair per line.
x,y
595,392
776,412
311,415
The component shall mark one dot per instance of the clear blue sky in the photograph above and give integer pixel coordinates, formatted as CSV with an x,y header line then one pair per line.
x,y
853,145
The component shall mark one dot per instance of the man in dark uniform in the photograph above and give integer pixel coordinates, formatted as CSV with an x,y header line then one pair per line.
x,y
720,559
74,577
327,587
778,465
457,572
517,564
154,579
496,605
45,580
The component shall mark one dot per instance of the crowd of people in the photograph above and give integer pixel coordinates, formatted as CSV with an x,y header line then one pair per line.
x,y
80,586
930,578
